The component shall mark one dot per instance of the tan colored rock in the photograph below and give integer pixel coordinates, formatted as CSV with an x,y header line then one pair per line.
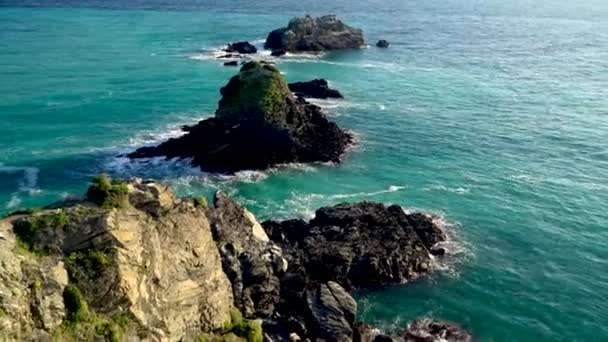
x,y
154,261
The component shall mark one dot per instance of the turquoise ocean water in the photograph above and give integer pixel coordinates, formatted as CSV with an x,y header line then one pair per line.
x,y
492,115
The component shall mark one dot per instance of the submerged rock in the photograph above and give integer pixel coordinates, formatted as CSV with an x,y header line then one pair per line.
x,y
318,89
315,34
258,124
383,44
231,63
241,47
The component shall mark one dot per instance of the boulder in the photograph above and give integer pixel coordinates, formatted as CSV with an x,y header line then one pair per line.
x,y
241,47
315,34
318,89
258,124
231,63
383,44
144,263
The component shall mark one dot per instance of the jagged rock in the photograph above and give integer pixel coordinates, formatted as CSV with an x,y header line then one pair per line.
x,y
258,124
241,47
315,34
318,89
252,262
382,43
357,245
429,330
153,260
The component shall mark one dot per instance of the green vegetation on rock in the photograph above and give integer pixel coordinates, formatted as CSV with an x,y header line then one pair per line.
x,y
76,306
26,229
200,201
81,324
259,89
108,193
89,263
237,329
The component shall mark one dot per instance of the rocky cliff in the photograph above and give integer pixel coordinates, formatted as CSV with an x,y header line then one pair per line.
x,y
143,265
131,262
258,124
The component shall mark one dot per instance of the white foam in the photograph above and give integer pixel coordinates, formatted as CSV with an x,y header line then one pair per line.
x,y
456,249
458,190
27,184
14,202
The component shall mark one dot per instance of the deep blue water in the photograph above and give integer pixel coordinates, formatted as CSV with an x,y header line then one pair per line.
x,y
492,115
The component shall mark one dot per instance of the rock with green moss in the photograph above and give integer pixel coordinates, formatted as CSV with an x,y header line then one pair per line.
x,y
258,124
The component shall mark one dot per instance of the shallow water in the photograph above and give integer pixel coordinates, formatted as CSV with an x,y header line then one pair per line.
x,y
491,115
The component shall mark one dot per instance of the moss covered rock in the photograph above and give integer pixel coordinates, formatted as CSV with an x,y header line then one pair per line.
x,y
258,93
258,124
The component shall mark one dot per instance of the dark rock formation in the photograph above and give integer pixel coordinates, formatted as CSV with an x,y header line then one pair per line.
x,y
318,89
258,124
315,34
278,52
231,63
241,47
383,44
358,245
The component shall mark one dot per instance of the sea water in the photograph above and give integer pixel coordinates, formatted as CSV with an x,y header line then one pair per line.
x,y
490,115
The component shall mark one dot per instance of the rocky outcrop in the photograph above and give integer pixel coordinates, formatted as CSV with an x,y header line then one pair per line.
x,y
241,47
315,34
382,43
298,275
318,89
358,245
258,124
147,266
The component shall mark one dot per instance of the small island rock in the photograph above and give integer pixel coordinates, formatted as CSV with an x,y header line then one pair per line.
x,y
382,43
258,124
241,47
318,89
315,34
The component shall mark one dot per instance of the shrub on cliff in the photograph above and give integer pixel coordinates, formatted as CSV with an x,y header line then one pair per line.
x,y
108,193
